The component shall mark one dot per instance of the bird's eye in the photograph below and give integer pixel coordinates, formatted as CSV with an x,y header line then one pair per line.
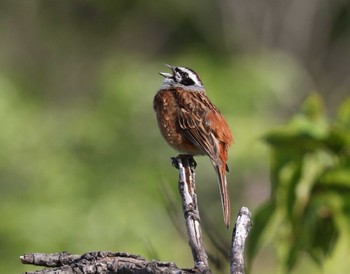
x,y
187,81
184,76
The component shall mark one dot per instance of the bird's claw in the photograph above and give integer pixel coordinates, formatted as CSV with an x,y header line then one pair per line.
x,y
192,163
174,162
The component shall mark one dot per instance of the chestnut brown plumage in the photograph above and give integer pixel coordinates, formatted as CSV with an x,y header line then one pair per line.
x,y
191,124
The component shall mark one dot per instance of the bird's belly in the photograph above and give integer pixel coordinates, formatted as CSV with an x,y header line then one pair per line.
x,y
167,117
175,136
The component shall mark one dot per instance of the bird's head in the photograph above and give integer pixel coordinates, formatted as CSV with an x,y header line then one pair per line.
x,y
182,76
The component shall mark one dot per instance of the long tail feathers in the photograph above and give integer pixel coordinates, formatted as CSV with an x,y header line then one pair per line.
x,y
225,197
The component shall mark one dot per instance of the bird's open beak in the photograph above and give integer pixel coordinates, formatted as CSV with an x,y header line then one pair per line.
x,y
166,74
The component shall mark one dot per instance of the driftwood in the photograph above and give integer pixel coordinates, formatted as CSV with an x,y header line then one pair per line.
x,y
111,262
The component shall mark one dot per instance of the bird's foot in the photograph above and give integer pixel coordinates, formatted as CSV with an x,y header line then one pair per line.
x,y
192,163
174,162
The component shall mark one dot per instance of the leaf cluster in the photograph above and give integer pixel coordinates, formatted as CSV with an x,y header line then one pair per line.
x,y
309,208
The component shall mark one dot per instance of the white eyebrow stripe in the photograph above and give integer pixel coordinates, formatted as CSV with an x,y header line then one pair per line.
x,y
192,75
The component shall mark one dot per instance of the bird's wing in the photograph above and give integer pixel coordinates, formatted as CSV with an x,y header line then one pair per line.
x,y
202,123
199,134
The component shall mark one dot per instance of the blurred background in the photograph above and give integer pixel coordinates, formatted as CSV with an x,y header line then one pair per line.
x,y
82,163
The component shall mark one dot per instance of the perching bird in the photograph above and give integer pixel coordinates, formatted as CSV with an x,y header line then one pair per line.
x,y
191,124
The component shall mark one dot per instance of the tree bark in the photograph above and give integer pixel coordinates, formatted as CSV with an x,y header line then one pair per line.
x,y
101,262
187,188
239,235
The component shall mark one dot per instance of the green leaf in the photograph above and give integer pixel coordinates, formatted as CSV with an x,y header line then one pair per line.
x,y
260,221
313,107
337,178
293,253
338,140
291,195
344,113
282,168
320,230
300,135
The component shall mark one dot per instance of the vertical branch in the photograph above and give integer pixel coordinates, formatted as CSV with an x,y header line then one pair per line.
x,y
239,235
186,166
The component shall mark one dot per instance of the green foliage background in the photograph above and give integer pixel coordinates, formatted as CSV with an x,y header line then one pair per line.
x,y
81,158
310,181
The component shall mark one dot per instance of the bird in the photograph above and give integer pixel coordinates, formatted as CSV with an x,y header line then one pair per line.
x,y
191,124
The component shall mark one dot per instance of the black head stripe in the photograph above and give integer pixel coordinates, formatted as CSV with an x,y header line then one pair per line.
x,y
187,77
187,82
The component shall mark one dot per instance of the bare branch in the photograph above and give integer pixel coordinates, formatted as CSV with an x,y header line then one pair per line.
x,y
186,166
98,263
239,235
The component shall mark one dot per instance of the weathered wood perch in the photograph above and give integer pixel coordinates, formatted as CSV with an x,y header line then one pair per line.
x,y
98,262
103,262
187,188
240,233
